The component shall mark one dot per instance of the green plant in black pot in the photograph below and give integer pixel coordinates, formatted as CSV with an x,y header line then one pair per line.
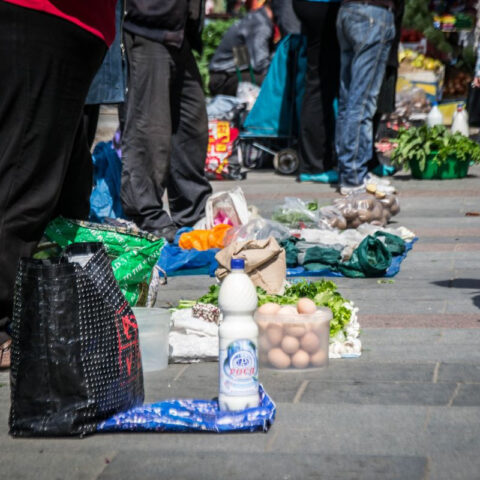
x,y
434,152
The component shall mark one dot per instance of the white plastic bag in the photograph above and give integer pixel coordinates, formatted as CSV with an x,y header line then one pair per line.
x,y
257,228
191,339
247,93
226,207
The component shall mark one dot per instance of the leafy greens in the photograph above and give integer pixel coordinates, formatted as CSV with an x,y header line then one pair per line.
x,y
434,144
324,293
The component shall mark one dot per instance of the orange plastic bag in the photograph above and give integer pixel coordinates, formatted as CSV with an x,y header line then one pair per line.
x,y
204,239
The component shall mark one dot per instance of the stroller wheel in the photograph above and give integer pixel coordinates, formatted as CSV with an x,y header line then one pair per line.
x,y
286,161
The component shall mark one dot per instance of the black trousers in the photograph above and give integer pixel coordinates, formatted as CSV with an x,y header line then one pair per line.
x,y
317,119
46,66
165,138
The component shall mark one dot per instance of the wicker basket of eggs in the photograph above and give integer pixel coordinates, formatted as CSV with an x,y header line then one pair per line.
x,y
293,336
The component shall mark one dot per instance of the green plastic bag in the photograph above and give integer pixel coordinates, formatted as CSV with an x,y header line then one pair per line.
x,y
134,254
370,259
395,245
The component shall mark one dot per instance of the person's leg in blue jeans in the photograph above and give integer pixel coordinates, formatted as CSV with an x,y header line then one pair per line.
x,y
365,34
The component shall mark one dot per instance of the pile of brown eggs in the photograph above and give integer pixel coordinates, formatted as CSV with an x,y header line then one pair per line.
x,y
293,336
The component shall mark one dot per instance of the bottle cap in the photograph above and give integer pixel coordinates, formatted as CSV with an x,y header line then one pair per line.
x,y
434,104
237,264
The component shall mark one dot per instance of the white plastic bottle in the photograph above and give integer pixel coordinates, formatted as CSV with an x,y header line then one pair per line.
x,y
238,338
435,116
460,121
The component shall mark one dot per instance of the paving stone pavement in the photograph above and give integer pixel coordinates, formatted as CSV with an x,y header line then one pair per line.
x,y
409,408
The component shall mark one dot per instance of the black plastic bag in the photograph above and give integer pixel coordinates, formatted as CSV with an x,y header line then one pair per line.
x,y
75,352
473,106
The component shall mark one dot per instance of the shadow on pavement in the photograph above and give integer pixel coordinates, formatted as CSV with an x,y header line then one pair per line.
x,y
470,283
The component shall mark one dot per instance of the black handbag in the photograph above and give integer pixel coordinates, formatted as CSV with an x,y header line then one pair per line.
x,y
473,106
75,352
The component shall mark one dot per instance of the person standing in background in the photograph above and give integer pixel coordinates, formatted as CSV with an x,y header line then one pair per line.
x,y
255,32
386,97
49,54
365,31
165,138
317,118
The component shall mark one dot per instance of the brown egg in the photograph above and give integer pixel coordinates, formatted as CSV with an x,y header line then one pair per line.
x,y
290,344
274,334
278,358
295,329
301,359
264,343
305,305
262,325
319,358
310,342
287,310
269,309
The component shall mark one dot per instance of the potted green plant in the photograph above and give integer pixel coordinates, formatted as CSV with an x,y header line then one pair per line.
x,y
434,153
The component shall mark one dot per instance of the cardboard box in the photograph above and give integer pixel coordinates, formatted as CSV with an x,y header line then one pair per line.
x,y
429,81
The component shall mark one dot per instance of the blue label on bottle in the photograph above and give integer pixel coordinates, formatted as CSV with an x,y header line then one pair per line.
x,y
239,368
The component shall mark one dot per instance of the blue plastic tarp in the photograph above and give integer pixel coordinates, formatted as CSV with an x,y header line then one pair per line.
x,y
192,416
176,262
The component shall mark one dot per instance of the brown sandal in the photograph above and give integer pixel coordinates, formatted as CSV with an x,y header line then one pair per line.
x,y
5,350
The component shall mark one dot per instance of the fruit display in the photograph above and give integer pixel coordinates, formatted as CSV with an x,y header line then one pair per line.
x,y
293,337
410,60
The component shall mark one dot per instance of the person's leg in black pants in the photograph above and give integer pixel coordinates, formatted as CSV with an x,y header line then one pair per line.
x,y
188,188
317,120
147,135
45,166
165,139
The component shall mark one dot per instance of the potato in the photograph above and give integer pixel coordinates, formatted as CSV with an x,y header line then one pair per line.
x,y
395,208
365,216
341,223
387,201
355,223
377,211
349,213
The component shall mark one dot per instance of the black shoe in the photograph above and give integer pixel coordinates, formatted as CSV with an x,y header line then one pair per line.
x,y
168,233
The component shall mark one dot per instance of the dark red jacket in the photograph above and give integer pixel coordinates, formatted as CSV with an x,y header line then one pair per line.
x,y
95,16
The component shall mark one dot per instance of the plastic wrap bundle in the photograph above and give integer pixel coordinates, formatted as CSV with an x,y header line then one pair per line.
x,y
367,208
75,350
193,416
331,217
295,213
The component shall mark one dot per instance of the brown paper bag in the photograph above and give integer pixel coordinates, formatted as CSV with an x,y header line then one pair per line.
x,y
265,263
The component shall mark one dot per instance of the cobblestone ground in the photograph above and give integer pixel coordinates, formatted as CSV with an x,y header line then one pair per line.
x,y
409,408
